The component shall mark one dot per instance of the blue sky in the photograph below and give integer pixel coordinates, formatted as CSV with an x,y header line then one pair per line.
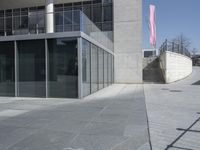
x,y
173,18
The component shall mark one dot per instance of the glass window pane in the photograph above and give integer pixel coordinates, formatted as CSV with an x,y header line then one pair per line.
x,y
100,68
9,26
58,8
31,66
105,69
16,25
2,26
68,7
97,13
63,68
86,68
107,13
59,21
87,10
112,69
41,19
68,21
109,69
1,23
1,13
94,69
7,69
33,21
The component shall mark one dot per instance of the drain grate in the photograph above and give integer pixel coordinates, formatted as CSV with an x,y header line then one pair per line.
x,y
69,148
175,91
165,89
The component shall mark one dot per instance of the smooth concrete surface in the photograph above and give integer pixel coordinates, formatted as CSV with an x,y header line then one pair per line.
x,y
174,113
175,66
128,41
49,16
111,119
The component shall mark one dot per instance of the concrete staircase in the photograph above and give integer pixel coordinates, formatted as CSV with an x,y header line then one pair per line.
x,y
152,72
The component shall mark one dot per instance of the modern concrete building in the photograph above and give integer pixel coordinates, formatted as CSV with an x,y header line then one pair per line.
x,y
68,48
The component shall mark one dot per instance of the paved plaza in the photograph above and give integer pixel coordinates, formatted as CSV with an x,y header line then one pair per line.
x,y
111,119
174,113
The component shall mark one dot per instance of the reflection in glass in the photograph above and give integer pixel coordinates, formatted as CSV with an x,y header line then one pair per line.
x,y
63,68
31,68
7,69
105,69
100,68
1,23
109,69
86,68
94,69
8,22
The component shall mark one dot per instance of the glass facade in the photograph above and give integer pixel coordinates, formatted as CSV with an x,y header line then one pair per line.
x,y
7,69
31,68
105,69
51,69
63,68
22,21
97,68
94,68
86,68
48,66
99,11
100,63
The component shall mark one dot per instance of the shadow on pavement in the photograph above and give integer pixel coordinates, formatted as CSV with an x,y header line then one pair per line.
x,y
172,145
196,83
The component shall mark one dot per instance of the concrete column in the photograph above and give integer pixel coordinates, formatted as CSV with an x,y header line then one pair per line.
x,y
49,16
128,41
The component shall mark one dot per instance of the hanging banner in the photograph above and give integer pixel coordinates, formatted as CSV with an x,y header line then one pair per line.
x,y
152,25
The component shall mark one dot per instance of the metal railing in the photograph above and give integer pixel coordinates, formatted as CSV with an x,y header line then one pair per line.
x,y
174,47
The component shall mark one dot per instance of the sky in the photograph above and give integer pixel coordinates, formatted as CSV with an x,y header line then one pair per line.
x,y
173,17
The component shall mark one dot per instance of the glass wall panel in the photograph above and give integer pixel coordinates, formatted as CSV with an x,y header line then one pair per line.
x,y
8,22
24,21
87,9
86,68
31,68
101,74
112,69
94,69
63,68
97,13
1,23
7,69
16,21
68,17
33,20
107,12
105,69
58,18
41,19
109,69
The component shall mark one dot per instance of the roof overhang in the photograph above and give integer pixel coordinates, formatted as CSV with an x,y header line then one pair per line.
x,y
11,4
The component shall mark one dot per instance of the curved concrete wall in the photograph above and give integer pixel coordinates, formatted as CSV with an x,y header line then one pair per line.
x,y
175,66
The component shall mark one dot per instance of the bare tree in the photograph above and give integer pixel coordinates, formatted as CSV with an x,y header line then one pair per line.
x,y
182,41
194,51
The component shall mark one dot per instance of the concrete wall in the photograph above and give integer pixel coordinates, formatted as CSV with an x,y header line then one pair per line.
x,y
128,41
175,66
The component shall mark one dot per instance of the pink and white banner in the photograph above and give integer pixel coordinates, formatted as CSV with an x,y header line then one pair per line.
x,y
152,25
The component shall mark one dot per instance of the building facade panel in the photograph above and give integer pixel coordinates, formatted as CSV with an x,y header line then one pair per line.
x,y
128,30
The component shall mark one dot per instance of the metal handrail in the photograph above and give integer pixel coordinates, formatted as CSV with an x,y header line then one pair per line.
x,y
174,47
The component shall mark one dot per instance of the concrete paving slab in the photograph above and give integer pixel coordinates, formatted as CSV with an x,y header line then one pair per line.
x,y
172,107
111,119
